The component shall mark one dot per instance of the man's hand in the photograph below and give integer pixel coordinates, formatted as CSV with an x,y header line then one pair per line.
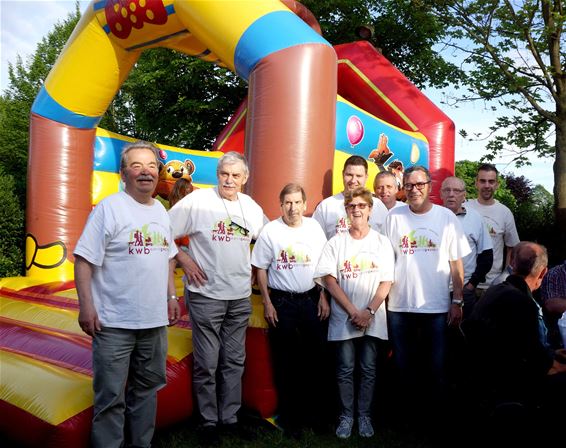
x,y
270,313
323,306
88,319
173,311
195,275
455,314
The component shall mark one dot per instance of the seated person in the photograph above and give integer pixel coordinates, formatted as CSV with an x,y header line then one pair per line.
x,y
508,337
553,297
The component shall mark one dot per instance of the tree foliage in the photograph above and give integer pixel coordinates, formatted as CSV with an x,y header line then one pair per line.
x,y
405,31
175,99
514,56
467,171
11,228
26,79
520,187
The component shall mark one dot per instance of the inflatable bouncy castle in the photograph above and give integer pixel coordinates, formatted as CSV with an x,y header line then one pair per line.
x,y
309,107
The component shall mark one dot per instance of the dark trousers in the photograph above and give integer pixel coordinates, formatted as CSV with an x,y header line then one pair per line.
x,y
298,345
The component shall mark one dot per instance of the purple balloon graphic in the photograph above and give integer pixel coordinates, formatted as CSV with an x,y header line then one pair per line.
x,y
354,130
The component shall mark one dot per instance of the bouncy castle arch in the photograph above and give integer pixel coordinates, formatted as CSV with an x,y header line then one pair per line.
x,y
309,107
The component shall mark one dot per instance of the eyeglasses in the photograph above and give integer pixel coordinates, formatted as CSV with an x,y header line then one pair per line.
x,y
361,206
239,228
453,190
420,186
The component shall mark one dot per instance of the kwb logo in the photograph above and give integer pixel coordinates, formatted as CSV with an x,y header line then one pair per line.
x,y
122,15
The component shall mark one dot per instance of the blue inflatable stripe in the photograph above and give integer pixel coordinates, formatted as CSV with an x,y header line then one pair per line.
x,y
273,32
107,152
47,107
99,5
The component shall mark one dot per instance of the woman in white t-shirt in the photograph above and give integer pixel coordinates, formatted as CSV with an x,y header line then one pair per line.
x,y
357,269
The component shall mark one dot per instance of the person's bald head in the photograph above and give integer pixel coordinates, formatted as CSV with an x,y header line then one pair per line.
x,y
530,261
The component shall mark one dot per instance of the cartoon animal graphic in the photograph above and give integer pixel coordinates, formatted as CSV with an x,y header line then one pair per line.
x,y
170,172
382,153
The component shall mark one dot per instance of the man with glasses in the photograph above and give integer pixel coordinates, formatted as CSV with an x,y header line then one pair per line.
x,y
478,262
499,219
331,214
429,245
221,223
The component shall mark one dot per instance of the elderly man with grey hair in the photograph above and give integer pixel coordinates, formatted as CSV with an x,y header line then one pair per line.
x,y
508,337
478,262
221,223
124,276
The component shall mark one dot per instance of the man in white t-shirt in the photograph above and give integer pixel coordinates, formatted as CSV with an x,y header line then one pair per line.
x,y
285,255
331,214
478,262
499,219
124,280
221,223
429,245
385,187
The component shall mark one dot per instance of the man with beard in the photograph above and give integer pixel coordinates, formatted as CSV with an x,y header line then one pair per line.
x,y
499,220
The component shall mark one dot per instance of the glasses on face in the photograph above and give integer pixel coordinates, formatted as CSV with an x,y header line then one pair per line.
x,y
453,190
352,207
237,227
419,185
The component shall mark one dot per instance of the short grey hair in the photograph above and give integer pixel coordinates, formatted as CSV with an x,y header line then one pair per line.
x,y
140,144
529,258
454,178
415,168
230,158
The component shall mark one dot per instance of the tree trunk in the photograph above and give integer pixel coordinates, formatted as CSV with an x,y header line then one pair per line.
x,y
560,186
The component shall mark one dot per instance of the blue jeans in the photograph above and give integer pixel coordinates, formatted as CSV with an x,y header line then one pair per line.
x,y
419,350
360,353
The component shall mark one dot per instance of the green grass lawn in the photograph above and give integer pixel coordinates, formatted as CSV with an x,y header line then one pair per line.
x,y
184,435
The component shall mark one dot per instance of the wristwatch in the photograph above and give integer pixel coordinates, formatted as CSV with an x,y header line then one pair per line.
x,y
172,297
372,312
458,302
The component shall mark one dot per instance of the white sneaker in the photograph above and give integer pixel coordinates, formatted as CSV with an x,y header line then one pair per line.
x,y
365,427
344,429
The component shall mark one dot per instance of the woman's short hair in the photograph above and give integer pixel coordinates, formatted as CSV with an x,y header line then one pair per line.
x,y
360,192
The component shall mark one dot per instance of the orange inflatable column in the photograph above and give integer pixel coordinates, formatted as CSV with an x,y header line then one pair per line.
x,y
296,89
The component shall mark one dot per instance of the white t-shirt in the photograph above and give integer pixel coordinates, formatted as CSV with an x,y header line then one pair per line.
x,y
332,217
501,227
129,244
423,244
289,254
220,249
478,239
359,266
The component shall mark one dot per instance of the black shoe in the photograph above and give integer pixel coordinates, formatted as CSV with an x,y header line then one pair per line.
x,y
208,436
239,431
